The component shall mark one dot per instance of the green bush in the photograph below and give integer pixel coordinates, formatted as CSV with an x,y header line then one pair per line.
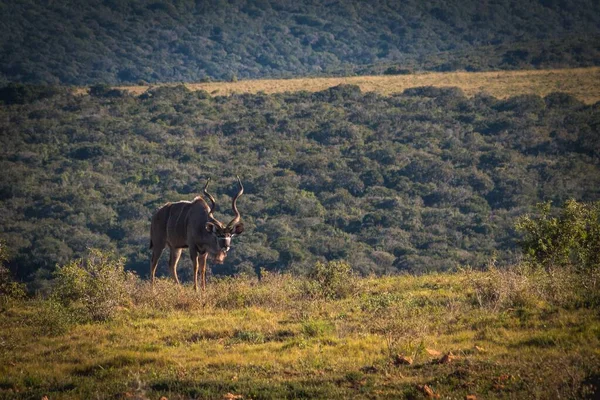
x,y
9,289
572,239
331,280
54,318
316,328
97,286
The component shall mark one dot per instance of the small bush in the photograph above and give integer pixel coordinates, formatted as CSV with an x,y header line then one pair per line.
x,y
523,285
571,239
317,328
53,318
97,286
331,280
9,289
396,70
498,289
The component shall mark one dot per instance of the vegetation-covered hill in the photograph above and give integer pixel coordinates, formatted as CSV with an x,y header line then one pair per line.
x,y
424,180
110,41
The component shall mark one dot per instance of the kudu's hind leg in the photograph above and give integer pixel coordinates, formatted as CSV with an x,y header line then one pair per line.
x,y
156,253
173,260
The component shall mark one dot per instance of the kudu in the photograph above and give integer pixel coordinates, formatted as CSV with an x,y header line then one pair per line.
x,y
191,224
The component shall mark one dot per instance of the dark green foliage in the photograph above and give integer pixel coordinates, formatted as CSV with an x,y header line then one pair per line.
x,y
420,181
9,288
138,40
104,90
16,93
571,239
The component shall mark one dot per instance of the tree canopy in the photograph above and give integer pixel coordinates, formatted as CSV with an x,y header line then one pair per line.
x,y
423,180
128,41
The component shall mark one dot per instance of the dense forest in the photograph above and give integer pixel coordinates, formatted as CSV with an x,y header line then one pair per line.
x,y
114,41
419,181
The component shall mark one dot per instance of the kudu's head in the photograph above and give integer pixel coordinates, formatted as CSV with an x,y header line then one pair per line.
x,y
223,233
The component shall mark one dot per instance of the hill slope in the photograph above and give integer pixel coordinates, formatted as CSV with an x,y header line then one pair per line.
x,y
424,180
109,41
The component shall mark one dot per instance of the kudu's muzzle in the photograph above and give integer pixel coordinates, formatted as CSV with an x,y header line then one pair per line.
x,y
224,242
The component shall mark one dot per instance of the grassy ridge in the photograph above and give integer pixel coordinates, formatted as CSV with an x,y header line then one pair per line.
x,y
582,83
511,334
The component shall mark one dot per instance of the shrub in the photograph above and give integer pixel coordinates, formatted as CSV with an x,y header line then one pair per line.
x,y
396,70
97,286
522,285
53,318
570,240
317,328
497,289
9,289
17,93
331,280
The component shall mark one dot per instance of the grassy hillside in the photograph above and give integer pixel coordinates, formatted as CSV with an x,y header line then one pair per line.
x,y
581,83
513,334
99,41
425,180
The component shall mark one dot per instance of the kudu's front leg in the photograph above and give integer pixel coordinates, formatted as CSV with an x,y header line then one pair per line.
x,y
203,266
199,261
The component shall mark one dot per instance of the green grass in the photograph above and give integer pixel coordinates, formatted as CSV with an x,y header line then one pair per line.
x,y
270,340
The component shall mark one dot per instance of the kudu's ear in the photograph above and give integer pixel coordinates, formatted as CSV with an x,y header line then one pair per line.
x,y
210,227
238,229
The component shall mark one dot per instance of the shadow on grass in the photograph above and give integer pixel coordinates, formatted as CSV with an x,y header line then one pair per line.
x,y
111,364
212,389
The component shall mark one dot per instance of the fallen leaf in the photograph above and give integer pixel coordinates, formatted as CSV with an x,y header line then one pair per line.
x,y
231,396
433,352
470,397
427,391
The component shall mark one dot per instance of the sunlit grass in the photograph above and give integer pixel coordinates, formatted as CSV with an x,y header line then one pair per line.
x,y
306,347
582,83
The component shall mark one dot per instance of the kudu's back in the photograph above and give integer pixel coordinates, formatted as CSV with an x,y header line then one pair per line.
x,y
177,223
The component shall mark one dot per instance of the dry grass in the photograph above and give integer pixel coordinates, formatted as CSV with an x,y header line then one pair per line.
x,y
271,340
582,83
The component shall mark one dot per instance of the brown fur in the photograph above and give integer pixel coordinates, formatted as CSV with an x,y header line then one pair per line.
x,y
182,225
190,224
